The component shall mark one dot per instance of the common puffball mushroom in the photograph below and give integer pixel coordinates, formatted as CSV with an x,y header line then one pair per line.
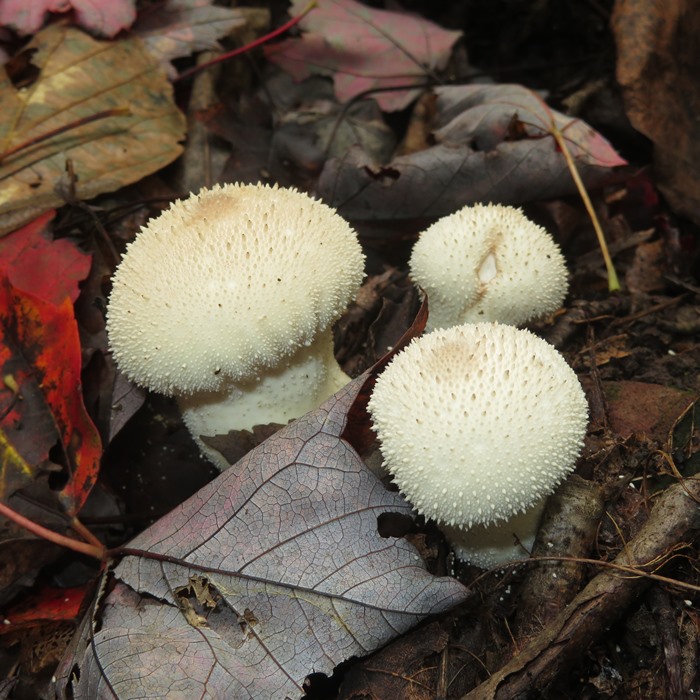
x,y
479,423
226,301
488,263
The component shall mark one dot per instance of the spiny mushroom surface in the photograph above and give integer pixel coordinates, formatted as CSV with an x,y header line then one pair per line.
x,y
478,422
488,263
233,289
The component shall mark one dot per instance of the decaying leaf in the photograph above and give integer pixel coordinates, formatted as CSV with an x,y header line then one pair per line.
x,y
107,18
363,48
657,67
643,408
99,116
492,144
40,398
285,544
47,268
180,27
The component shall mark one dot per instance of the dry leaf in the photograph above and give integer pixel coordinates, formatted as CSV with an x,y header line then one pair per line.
x,y
286,544
363,49
105,17
105,107
492,144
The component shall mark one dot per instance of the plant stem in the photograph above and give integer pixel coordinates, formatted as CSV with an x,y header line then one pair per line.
x,y
93,550
252,45
613,282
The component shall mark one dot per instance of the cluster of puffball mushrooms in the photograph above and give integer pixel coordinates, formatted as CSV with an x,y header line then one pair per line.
x,y
226,301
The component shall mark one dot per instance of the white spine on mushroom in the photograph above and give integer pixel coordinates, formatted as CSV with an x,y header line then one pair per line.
x,y
478,422
488,263
223,288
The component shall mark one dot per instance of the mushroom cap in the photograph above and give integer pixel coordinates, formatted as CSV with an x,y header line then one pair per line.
x,y
478,422
488,263
226,283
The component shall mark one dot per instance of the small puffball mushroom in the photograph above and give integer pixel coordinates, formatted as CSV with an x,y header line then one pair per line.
x,y
478,423
226,301
488,263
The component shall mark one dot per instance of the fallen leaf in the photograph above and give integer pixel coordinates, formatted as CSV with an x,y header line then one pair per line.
x,y
364,49
47,604
105,17
312,126
657,68
34,262
406,669
40,398
648,269
286,545
105,108
492,144
637,407
180,27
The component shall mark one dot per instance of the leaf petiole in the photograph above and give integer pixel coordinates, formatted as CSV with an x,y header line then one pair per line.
x,y
252,45
95,550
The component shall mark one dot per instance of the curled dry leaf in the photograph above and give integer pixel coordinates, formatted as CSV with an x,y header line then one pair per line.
x,y
493,143
657,68
104,110
271,572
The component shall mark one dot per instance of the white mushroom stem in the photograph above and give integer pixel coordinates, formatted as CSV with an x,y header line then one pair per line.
x,y
297,385
488,546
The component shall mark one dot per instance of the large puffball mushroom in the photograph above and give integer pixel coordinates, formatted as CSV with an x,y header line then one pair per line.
x,y
488,263
478,423
226,301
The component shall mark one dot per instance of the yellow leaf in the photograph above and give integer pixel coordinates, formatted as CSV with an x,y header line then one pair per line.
x,y
103,108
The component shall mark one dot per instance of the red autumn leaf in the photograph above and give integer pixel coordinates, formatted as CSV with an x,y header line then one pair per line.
x,y
363,48
45,605
40,396
35,263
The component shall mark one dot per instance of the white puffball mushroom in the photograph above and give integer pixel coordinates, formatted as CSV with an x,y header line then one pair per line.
x,y
478,423
226,301
488,263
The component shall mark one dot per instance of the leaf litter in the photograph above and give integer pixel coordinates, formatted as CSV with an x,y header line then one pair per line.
x,y
363,49
109,127
297,578
634,335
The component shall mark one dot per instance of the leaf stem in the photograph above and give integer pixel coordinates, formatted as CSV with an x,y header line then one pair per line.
x,y
93,550
249,47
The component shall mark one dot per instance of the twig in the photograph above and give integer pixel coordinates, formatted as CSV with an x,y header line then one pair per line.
x,y
675,516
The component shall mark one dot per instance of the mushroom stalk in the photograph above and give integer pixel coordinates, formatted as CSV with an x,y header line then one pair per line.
x,y
491,545
297,385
